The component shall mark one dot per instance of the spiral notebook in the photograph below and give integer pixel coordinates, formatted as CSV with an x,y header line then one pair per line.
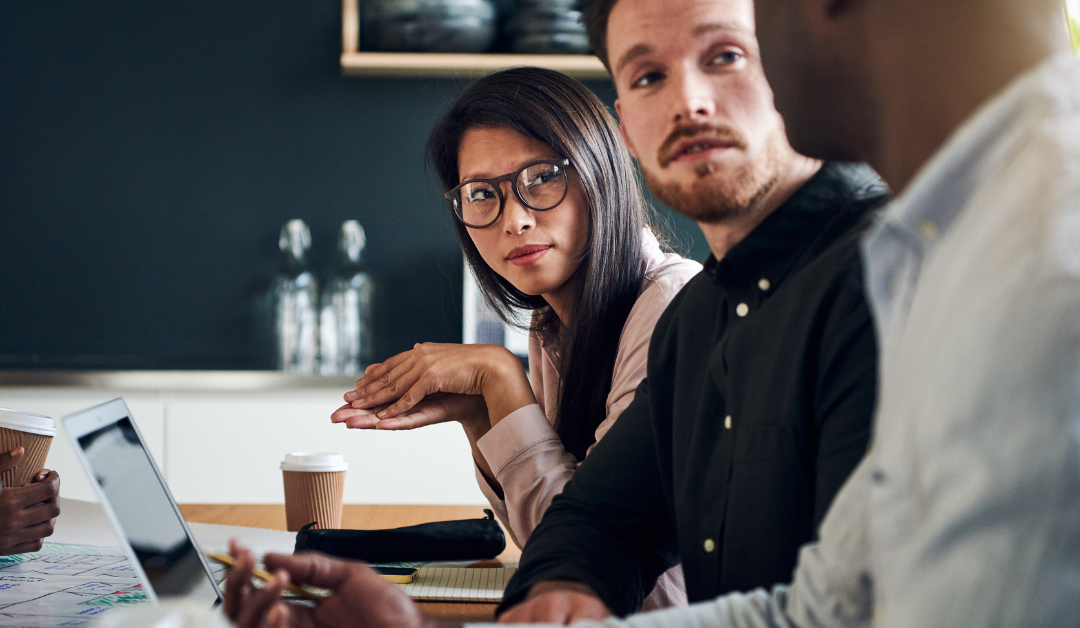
x,y
459,584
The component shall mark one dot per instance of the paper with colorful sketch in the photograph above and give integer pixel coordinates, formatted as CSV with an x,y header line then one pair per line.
x,y
68,585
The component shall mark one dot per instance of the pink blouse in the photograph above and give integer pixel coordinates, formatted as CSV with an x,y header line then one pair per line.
x,y
525,452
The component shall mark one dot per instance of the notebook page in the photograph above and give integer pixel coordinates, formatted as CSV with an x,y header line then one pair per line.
x,y
459,584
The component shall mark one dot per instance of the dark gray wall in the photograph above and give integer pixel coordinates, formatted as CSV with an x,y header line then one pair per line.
x,y
149,154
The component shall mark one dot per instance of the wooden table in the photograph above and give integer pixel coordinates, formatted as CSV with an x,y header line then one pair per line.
x,y
363,517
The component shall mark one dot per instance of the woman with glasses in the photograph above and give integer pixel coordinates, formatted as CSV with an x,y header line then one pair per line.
x,y
551,218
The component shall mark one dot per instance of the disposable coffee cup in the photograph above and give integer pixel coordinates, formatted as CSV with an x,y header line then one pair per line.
x,y
314,489
31,431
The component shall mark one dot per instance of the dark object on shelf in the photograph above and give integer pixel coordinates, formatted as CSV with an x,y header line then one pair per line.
x,y
551,43
547,27
551,5
429,25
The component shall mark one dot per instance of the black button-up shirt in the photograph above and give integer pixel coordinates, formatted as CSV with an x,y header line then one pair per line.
x,y
756,407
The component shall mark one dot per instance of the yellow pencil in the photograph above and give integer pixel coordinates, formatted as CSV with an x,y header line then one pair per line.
x,y
264,576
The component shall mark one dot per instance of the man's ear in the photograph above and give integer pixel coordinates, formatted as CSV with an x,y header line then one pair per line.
x,y
622,130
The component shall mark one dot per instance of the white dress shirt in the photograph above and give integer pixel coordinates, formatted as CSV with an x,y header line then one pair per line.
x,y
966,511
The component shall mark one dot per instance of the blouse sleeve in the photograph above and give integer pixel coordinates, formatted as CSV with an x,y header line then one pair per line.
x,y
524,450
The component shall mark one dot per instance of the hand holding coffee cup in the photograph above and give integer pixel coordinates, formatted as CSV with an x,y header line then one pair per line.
x,y
28,499
32,432
314,489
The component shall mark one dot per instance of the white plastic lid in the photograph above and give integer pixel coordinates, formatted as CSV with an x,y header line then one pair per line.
x,y
27,422
303,461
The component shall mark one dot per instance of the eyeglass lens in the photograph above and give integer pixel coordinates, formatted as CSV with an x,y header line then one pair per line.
x,y
541,186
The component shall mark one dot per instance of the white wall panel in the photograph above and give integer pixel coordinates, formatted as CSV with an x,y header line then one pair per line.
x,y
226,448
147,409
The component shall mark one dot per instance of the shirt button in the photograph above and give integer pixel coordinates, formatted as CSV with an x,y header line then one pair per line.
x,y
894,286
763,284
929,229
878,476
727,422
710,545
742,309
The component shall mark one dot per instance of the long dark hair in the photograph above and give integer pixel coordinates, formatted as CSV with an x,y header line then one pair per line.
x,y
563,113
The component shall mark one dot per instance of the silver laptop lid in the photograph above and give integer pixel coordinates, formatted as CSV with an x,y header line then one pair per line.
x,y
139,505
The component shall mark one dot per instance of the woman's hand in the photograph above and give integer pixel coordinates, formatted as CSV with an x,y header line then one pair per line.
x,y
436,408
406,379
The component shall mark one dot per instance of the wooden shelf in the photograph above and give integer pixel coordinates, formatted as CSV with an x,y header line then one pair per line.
x,y
446,65
465,65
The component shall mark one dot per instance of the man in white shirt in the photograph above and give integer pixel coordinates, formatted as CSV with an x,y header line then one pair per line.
x,y
966,512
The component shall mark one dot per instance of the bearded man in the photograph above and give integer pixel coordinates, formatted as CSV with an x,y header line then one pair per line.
x,y
761,376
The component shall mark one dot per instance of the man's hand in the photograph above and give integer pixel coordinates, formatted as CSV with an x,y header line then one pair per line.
x,y
27,513
557,602
360,596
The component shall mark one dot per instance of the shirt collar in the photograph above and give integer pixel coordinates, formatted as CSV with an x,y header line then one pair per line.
x,y
651,253
917,220
771,250
937,194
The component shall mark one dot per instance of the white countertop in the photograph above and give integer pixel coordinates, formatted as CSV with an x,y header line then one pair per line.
x,y
228,381
84,523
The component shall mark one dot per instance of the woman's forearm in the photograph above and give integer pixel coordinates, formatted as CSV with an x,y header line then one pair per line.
x,y
475,429
505,385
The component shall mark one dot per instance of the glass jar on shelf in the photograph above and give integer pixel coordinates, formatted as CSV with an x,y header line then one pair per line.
x,y
295,297
345,342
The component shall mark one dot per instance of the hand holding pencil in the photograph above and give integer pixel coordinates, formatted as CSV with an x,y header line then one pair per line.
x,y
229,561
358,595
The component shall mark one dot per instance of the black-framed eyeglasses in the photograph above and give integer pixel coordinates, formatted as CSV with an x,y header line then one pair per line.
x,y
540,185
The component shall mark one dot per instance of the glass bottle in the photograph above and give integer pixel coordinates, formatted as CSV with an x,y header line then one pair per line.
x,y
345,318
295,295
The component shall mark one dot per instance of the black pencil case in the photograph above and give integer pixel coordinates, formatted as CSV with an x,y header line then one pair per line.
x,y
466,539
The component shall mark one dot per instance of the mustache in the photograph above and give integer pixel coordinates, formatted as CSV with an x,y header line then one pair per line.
x,y
665,155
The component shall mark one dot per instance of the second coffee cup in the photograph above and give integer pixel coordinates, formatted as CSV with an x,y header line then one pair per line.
x,y
314,489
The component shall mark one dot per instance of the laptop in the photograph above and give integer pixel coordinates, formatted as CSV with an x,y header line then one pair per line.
x,y
139,506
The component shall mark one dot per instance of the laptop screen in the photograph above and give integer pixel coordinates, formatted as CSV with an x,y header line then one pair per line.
x,y
122,468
